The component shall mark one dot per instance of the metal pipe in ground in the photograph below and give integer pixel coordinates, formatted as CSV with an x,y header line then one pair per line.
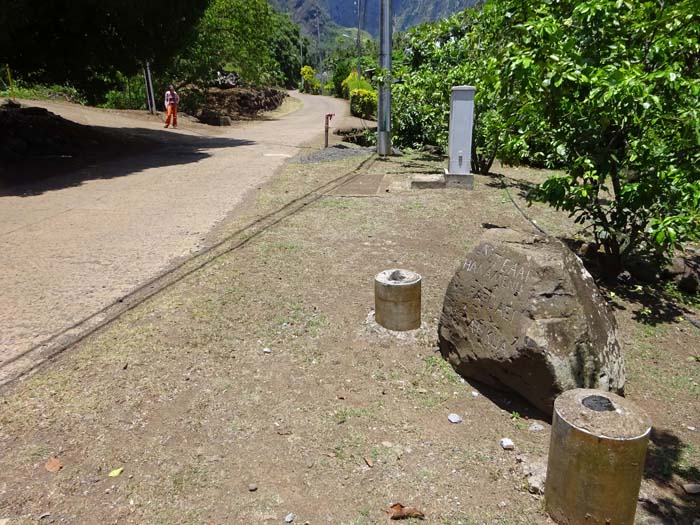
x,y
596,458
397,299
329,117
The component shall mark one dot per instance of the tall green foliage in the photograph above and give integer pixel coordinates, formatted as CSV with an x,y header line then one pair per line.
x,y
618,83
466,49
286,40
340,73
84,42
234,35
608,89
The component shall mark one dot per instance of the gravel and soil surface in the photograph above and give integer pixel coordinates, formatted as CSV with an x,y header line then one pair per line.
x,y
79,231
257,386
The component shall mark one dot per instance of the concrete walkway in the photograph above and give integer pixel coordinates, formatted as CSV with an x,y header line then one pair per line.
x,y
93,236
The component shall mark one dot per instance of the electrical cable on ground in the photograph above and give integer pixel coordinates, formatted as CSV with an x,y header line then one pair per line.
x,y
694,322
50,348
522,212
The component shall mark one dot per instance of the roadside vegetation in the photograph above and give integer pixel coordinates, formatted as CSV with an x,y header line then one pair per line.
x,y
188,47
607,91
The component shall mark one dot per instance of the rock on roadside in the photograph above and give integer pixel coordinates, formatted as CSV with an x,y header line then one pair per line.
x,y
523,314
534,472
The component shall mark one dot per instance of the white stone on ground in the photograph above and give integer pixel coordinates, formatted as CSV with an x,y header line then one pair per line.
x,y
454,418
536,427
507,444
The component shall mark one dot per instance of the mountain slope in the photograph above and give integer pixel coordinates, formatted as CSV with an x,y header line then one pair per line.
x,y
315,15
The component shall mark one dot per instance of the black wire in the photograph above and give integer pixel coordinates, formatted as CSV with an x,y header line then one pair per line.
x,y
61,341
694,322
522,212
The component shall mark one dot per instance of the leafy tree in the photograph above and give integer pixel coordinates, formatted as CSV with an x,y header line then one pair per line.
x,y
340,73
465,49
285,45
85,41
616,89
233,35
608,89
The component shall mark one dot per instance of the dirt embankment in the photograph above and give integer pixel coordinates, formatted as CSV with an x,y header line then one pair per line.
x,y
36,132
225,105
35,143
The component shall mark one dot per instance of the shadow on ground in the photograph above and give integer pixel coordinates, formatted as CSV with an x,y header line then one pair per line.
x,y
645,286
656,298
665,467
499,180
100,153
510,401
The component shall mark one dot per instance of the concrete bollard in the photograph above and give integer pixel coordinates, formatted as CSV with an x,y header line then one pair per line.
x,y
397,299
596,458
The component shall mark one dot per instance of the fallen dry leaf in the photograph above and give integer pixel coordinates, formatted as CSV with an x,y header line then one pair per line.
x,y
116,472
369,462
399,512
53,465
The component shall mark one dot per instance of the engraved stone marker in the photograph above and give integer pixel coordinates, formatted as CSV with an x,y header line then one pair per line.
x,y
523,314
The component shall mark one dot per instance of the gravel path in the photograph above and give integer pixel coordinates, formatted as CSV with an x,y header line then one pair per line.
x,y
333,153
70,249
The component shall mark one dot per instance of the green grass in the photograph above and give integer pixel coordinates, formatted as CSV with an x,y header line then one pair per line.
x,y
41,92
413,206
672,378
268,248
437,366
363,516
345,414
300,320
188,478
672,291
334,203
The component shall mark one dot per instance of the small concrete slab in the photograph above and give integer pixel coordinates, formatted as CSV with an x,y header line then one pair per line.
x,y
366,185
427,182
459,181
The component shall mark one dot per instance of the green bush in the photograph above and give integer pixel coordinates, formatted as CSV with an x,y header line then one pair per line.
x,y
40,92
352,83
129,94
310,84
619,102
609,91
363,103
341,72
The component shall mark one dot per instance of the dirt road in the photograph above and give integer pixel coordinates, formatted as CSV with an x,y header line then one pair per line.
x,y
72,246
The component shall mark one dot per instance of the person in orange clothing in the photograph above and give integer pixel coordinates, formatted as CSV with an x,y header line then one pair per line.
x,y
171,101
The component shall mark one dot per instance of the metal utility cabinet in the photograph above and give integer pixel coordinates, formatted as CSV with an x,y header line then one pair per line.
x,y
461,126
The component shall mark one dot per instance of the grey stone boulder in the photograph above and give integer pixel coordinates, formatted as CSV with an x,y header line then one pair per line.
x,y
522,314
684,270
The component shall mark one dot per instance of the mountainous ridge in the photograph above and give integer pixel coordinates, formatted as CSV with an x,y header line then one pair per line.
x,y
316,16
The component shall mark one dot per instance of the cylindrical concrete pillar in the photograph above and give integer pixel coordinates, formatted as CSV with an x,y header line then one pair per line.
x,y
596,458
397,299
